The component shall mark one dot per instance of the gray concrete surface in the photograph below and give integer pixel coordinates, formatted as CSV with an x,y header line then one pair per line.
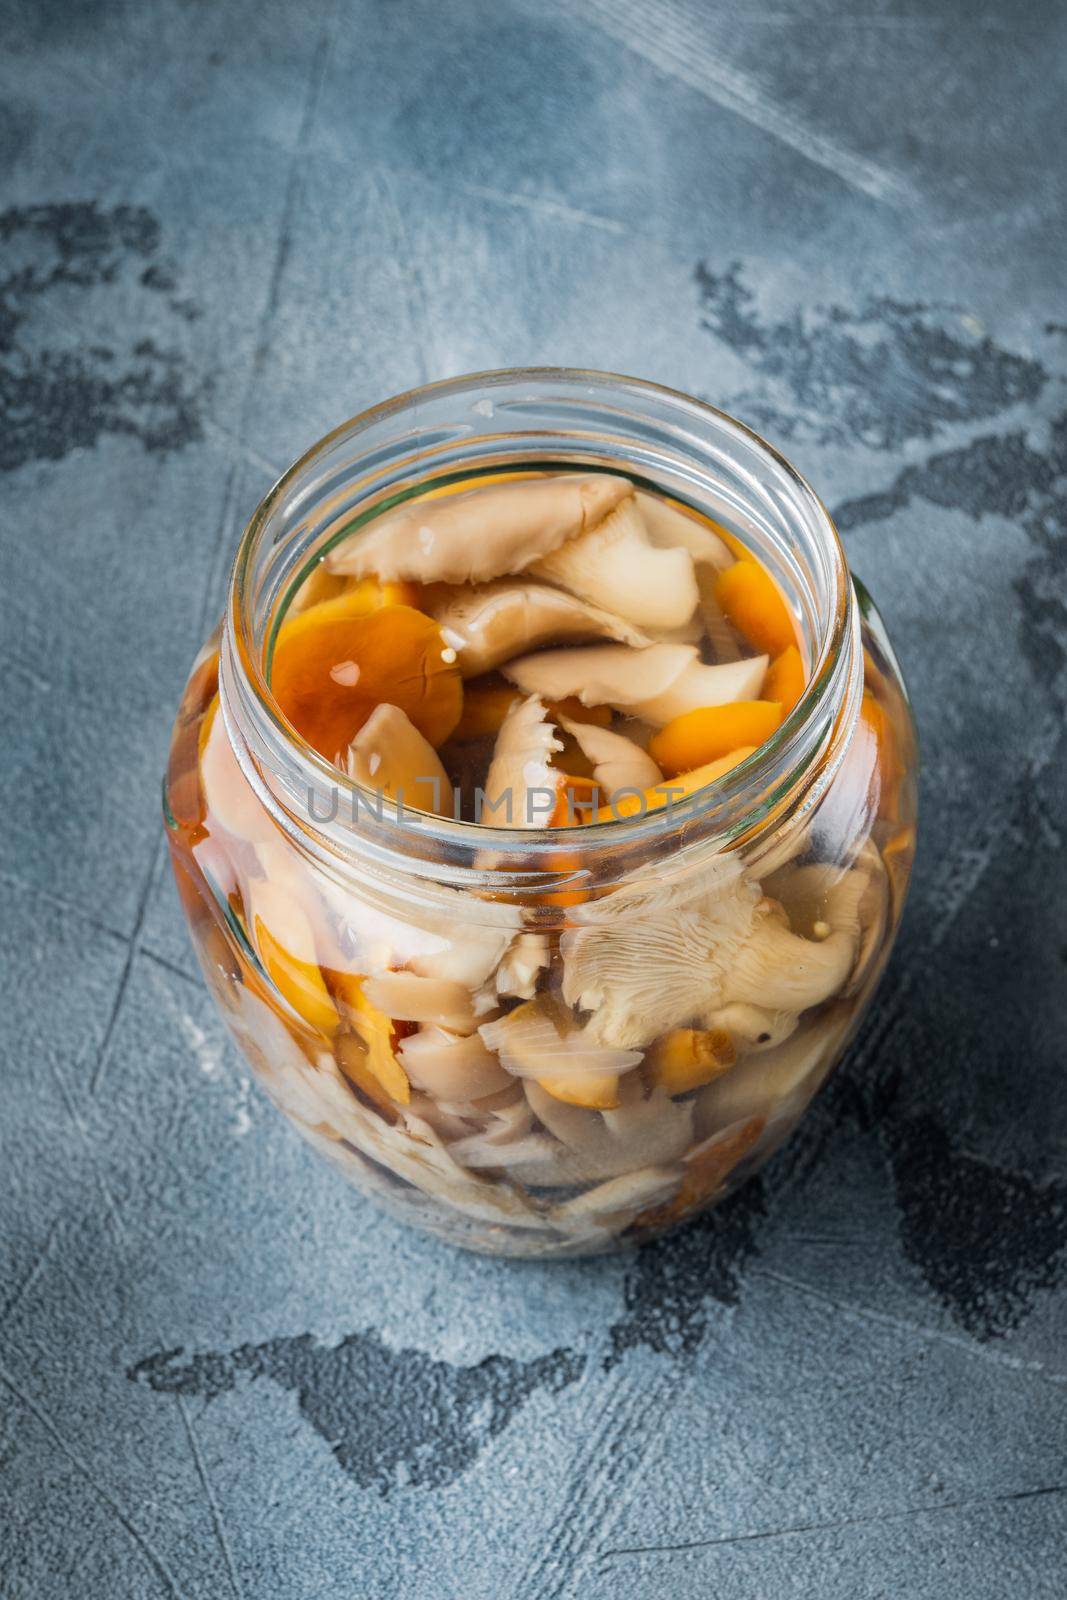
x,y
225,227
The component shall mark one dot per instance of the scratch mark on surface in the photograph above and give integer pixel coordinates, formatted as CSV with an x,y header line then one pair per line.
x,y
675,40
115,1216
542,205
31,1276
209,1496
226,437
403,251
918,1330
172,967
12,881
92,1478
104,1053
904,1512
600,1482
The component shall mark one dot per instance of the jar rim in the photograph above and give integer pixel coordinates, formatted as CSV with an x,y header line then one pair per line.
x,y
736,795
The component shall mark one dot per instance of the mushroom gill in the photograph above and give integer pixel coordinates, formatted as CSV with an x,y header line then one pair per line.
x,y
616,566
491,623
540,1038
390,756
482,533
521,787
651,957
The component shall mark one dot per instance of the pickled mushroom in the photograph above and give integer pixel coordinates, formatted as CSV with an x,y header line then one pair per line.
x,y
655,685
671,528
452,1066
616,566
521,788
617,762
478,534
390,756
493,623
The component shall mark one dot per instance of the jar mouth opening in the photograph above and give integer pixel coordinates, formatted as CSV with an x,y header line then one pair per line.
x,y
755,785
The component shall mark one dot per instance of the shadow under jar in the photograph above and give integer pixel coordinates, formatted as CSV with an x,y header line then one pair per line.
x,y
759,909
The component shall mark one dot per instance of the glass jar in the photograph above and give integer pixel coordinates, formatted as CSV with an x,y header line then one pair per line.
x,y
772,896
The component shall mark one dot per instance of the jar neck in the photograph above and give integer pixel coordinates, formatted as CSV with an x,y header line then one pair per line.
x,y
493,422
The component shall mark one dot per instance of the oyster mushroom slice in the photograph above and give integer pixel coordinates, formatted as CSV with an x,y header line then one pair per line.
x,y
390,756
406,997
481,533
452,1066
617,762
780,971
521,787
538,1039
643,1132
754,1028
670,528
490,624
654,685
652,957
518,972
617,567
698,685
778,1082
599,675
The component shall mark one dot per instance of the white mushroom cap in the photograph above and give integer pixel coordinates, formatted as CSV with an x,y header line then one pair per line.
x,y
779,971
756,1028
618,763
480,533
520,788
652,1131
489,624
518,972
390,756
670,528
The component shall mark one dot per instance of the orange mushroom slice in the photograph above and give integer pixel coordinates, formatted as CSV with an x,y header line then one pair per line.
x,y
751,600
675,790
785,681
687,1058
283,937
374,1068
331,671
711,732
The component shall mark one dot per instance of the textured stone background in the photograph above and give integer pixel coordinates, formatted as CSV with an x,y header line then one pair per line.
x,y
223,229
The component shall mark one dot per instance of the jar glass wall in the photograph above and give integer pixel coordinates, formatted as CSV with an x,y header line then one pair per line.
x,y
378,966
